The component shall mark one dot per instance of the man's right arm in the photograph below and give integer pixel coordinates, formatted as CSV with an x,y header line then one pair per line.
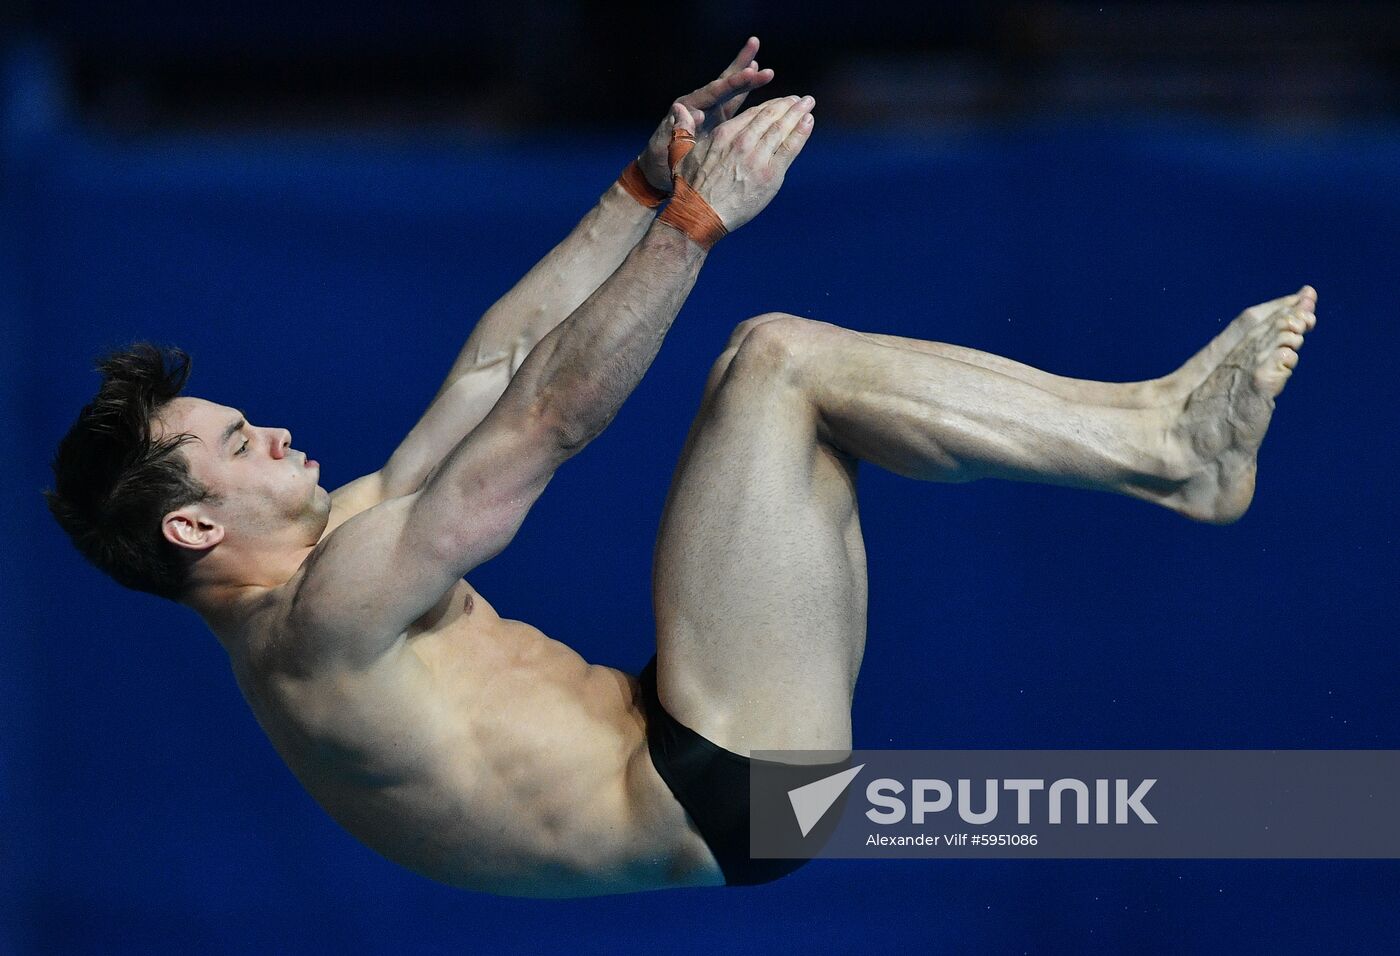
x,y
381,570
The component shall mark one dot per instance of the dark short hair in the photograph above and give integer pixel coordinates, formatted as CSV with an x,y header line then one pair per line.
x,y
114,482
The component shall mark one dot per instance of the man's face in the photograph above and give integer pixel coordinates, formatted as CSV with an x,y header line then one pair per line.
x,y
263,483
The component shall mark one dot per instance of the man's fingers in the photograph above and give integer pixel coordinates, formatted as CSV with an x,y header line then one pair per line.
x,y
681,118
717,91
781,127
754,122
726,87
729,90
744,57
788,149
731,106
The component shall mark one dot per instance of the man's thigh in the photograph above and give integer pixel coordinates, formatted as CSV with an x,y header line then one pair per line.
x,y
759,577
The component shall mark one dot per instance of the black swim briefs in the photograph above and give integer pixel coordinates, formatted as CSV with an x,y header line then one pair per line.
x,y
712,784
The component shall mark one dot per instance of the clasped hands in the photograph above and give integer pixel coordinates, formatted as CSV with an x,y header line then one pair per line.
x,y
739,159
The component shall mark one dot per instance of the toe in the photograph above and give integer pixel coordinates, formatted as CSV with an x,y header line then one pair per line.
x,y
1266,309
1303,314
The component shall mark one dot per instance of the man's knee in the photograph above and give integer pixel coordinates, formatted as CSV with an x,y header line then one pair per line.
x,y
744,328
765,348
781,343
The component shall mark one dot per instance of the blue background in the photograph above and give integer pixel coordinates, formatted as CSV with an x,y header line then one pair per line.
x,y
326,282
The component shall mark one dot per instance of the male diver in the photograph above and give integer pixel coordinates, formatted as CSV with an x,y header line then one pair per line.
x,y
480,752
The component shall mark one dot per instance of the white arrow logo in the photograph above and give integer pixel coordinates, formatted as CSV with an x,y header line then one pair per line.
x,y
811,801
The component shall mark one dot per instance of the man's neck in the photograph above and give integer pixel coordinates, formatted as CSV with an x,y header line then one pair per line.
x,y
226,593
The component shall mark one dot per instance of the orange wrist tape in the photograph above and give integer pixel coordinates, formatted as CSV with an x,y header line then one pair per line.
x,y
634,182
687,210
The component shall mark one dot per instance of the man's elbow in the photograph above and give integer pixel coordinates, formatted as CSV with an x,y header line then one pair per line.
x,y
563,421
571,437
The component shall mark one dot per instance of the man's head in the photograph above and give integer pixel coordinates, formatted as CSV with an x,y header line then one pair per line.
x,y
148,483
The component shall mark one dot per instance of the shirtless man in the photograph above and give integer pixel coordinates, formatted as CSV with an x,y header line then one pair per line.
x,y
479,751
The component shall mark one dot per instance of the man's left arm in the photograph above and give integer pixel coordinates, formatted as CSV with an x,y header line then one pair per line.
x,y
561,281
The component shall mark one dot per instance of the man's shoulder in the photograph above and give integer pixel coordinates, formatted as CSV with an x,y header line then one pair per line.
x,y
311,624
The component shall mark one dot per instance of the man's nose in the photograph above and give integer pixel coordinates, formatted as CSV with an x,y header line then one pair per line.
x,y
281,442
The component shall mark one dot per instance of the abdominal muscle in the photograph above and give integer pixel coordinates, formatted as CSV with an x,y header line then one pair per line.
x,y
484,754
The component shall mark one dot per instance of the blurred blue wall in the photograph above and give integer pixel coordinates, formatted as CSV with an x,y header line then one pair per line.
x,y
325,283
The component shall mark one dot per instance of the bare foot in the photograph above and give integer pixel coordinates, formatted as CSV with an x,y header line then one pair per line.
x,y
1174,388
1223,420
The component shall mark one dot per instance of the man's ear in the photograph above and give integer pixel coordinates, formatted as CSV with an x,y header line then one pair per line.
x,y
191,528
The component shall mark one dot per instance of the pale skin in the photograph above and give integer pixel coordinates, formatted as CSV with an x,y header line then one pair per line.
x,y
479,751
